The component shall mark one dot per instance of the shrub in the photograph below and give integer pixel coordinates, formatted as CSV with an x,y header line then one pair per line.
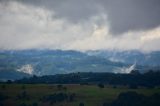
x,y
81,104
22,104
35,104
23,96
100,85
59,87
23,87
3,87
56,97
2,97
71,97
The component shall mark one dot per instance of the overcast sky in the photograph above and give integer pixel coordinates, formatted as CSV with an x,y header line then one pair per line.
x,y
80,24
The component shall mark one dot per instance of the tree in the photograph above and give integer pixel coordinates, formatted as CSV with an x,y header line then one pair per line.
x,y
71,97
35,104
100,85
1,104
135,72
114,86
133,86
9,81
2,98
56,97
3,87
23,87
65,88
59,86
23,95
81,104
129,99
105,104
22,104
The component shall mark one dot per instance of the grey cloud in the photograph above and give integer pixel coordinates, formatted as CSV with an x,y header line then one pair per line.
x,y
128,15
123,15
72,10
79,25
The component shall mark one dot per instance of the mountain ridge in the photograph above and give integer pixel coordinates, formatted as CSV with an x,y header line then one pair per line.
x,y
50,62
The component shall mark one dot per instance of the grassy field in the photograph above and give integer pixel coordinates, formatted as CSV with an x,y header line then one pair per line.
x,y
90,95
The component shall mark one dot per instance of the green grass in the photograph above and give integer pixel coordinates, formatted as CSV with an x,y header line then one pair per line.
x,y
91,95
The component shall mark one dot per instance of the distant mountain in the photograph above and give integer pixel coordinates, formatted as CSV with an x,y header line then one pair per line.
x,y
49,62
12,75
130,57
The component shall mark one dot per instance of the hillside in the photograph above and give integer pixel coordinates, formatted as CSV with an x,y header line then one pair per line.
x,y
51,62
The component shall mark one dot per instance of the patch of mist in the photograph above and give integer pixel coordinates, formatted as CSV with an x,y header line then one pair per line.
x,y
26,69
125,69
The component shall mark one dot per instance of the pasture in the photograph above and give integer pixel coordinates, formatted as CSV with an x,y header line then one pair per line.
x,y
90,95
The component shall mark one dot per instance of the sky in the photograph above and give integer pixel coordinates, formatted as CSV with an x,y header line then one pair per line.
x,y
80,24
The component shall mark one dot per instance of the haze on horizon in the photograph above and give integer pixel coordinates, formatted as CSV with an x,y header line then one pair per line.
x,y
80,24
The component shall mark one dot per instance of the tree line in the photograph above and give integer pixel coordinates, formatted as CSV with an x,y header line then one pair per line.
x,y
133,79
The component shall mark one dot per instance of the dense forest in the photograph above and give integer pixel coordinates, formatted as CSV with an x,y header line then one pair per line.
x,y
133,79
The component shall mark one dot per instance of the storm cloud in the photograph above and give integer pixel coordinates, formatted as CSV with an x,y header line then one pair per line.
x,y
80,24
124,15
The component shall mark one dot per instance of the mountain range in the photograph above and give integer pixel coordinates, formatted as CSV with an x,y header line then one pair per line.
x,y
17,64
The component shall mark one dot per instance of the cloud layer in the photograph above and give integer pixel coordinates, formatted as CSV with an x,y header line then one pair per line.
x,y
123,15
80,25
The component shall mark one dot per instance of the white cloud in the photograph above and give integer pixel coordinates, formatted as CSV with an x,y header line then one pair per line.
x,y
26,69
25,27
137,40
125,69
